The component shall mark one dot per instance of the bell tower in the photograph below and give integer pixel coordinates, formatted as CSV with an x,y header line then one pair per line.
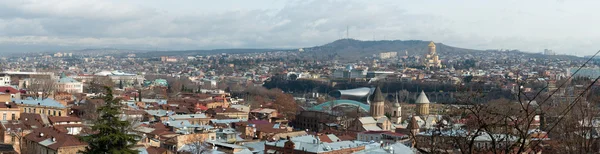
x,y
377,108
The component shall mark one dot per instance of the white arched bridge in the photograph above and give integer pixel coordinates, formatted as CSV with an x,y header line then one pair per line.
x,y
335,103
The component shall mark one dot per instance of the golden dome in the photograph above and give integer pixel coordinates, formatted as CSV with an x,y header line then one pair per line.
x,y
431,44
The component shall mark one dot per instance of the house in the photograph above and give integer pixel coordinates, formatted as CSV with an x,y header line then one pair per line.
x,y
69,125
264,114
10,111
11,133
309,145
68,84
46,106
228,112
11,92
381,136
49,140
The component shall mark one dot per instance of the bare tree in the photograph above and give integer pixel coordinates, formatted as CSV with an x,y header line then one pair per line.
x,y
42,87
196,144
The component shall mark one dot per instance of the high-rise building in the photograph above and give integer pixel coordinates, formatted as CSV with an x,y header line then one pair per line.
x,y
549,52
432,59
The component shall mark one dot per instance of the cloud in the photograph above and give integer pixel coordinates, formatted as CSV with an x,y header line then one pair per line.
x,y
99,23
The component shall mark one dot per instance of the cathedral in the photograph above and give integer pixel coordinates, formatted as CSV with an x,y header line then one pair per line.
x,y
432,59
378,120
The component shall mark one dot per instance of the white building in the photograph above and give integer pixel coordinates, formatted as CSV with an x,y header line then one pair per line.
x,y
5,80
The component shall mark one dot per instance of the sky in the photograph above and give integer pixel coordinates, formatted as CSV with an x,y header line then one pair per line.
x,y
567,27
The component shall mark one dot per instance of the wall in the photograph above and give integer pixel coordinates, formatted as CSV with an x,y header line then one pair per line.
x,y
43,110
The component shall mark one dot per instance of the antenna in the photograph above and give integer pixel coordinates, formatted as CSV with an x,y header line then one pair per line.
x,y
347,32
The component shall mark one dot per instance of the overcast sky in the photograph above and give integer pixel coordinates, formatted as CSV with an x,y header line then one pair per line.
x,y
568,27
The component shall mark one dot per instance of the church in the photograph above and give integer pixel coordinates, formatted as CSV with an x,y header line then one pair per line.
x,y
378,121
432,60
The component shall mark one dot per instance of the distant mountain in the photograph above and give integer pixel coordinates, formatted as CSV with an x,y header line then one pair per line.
x,y
206,52
351,49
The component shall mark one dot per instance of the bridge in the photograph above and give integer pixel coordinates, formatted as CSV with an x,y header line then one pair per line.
x,y
328,105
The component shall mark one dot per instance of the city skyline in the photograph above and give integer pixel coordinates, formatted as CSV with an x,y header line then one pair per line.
x,y
530,26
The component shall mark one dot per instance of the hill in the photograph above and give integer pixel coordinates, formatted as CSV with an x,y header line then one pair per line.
x,y
350,49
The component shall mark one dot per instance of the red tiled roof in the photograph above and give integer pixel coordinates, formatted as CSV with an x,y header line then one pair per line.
x,y
54,119
324,138
61,139
9,105
31,120
10,90
63,128
156,150
13,125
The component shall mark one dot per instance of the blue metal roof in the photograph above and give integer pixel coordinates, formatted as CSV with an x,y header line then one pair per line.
x,y
46,102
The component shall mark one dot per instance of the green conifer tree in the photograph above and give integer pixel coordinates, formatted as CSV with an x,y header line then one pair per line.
x,y
112,135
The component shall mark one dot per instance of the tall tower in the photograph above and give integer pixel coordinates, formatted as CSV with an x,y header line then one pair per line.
x,y
432,59
413,126
431,48
396,111
422,104
377,109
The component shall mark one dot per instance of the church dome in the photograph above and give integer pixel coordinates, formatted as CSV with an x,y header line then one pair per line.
x,y
377,96
422,99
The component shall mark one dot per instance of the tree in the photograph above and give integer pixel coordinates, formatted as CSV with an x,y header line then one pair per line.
x,y
112,134
42,85
293,76
196,144
120,84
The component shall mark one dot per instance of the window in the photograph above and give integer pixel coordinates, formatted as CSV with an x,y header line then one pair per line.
x,y
59,113
3,116
54,113
13,117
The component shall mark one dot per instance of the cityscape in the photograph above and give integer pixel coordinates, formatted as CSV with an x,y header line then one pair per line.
x,y
347,95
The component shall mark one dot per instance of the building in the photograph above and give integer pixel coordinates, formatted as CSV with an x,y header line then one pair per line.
x,y
7,93
317,121
377,121
48,140
5,80
127,78
227,112
381,136
396,112
432,59
312,145
387,55
377,109
349,73
68,84
160,82
422,104
264,114
9,111
69,125
168,59
45,107
10,131
549,52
